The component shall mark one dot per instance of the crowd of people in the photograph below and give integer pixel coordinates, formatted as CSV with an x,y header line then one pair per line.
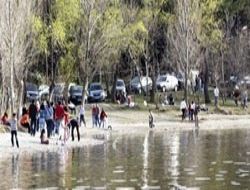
x,y
52,120
55,120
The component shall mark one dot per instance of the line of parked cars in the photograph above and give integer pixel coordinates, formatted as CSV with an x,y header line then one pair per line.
x,y
96,92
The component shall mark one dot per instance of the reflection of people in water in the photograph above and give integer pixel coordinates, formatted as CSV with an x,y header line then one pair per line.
x,y
43,138
15,171
151,119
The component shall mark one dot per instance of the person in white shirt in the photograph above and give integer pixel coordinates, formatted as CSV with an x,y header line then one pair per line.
x,y
216,96
192,109
183,108
81,113
13,129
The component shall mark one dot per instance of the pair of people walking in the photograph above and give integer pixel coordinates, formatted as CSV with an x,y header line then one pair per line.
x,y
98,118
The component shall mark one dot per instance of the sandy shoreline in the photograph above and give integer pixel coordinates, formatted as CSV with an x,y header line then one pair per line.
x,y
125,122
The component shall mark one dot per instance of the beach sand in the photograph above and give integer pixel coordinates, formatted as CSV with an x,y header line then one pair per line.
x,y
124,122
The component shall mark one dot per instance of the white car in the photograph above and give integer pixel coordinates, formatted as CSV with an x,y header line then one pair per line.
x,y
43,91
120,86
138,84
167,82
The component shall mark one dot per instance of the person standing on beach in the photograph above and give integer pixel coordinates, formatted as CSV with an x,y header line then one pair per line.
x,y
81,114
74,124
183,108
49,119
13,129
59,116
216,96
97,115
93,116
103,117
42,117
33,117
192,109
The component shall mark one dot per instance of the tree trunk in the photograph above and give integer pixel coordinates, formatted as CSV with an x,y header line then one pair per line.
x,y
152,94
114,85
206,77
66,93
20,98
85,91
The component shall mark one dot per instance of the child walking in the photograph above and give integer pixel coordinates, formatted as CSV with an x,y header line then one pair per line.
x,y
13,129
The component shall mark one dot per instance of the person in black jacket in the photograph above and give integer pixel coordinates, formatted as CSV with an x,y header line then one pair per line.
x,y
74,124
33,117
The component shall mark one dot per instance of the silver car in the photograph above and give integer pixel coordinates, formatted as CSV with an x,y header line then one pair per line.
x,y
96,93
120,86
138,84
32,92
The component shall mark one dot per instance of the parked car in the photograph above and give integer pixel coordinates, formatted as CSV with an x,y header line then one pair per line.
x,y
167,82
120,86
138,84
96,93
43,91
57,92
32,92
245,81
75,94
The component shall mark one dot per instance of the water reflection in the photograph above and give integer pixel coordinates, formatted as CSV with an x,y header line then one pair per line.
x,y
170,160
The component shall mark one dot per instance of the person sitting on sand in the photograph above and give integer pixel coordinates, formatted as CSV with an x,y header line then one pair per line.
x,y
43,138
24,121
103,117
4,119
151,119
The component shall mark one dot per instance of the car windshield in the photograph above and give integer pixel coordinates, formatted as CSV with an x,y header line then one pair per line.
x,y
95,87
135,80
43,87
76,89
31,87
162,79
119,83
58,89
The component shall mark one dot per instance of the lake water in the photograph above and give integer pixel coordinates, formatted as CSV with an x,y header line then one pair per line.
x,y
206,160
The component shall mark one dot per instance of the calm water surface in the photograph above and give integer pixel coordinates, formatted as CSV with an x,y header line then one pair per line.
x,y
206,160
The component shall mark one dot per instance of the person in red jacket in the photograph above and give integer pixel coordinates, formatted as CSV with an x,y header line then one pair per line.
x,y
4,119
59,116
103,117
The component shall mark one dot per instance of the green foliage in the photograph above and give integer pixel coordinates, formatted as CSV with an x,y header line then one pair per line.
x,y
210,33
41,34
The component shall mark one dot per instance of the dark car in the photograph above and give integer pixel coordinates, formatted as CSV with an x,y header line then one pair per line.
x,y
32,92
57,92
75,94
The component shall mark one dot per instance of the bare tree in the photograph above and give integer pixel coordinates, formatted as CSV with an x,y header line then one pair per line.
x,y
183,37
97,31
15,46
